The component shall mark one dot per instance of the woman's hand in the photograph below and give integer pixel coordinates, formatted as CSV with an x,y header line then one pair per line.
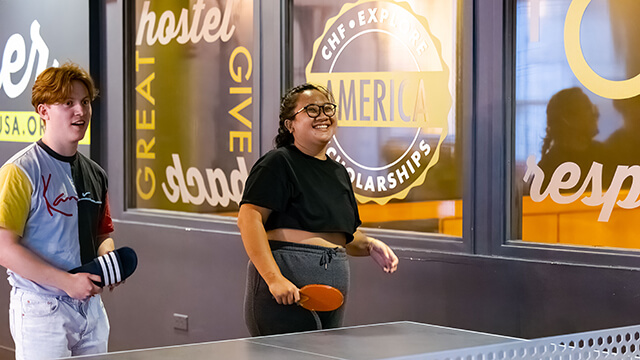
x,y
363,245
284,291
383,255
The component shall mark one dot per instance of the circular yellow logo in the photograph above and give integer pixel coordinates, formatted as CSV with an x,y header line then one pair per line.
x,y
610,89
391,83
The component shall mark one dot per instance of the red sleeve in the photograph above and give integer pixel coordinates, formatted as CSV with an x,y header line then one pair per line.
x,y
106,224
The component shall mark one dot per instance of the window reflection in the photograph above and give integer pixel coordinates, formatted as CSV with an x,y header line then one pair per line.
x,y
385,156
573,147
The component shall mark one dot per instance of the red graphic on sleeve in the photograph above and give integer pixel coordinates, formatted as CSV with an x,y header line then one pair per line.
x,y
59,199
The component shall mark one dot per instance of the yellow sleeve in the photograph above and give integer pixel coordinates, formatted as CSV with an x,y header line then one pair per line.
x,y
15,198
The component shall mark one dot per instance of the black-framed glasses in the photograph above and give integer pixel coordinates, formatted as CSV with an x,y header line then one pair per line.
x,y
313,110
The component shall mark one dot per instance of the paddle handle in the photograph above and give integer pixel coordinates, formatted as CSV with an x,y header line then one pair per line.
x,y
316,318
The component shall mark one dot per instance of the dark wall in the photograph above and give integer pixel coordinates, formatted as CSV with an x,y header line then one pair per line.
x,y
197,267
201,273
509,297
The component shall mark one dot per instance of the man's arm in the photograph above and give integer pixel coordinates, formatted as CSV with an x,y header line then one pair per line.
x,y
27,264
106,245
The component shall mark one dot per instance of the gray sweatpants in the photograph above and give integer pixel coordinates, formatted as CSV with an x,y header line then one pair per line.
x,y
302,264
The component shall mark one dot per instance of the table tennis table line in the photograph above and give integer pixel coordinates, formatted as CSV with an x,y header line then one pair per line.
x,y
250,339
453,353
256,340
562,341
458,329
296,350
333,329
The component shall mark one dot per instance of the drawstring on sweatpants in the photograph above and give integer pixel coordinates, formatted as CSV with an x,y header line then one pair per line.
x,y
327,256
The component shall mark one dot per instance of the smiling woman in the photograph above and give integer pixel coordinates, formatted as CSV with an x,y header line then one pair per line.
x,y
312,129
299,220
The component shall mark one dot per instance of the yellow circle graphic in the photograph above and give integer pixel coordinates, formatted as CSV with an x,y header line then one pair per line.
x,y
414,79
610,89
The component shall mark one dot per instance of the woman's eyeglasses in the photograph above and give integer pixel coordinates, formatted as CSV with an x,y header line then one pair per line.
x,y
313,110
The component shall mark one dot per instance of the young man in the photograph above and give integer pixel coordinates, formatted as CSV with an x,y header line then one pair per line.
x,y
54,216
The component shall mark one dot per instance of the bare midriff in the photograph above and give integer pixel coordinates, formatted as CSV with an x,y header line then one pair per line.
x,y
310,238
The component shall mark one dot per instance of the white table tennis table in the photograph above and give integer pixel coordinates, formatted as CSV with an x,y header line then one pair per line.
x,y
403,340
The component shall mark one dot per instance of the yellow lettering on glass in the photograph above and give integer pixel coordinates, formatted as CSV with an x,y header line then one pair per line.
x,y
610,89
26,126
149,177
385,99
144,88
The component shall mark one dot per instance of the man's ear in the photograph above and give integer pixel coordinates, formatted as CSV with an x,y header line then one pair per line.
x,y
43,111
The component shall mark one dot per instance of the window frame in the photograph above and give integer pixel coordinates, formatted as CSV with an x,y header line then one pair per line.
x,y
504,230
485,115
423,241
273,65
262,13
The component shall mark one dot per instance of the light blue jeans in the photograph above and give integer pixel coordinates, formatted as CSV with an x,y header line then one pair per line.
x,y
49,327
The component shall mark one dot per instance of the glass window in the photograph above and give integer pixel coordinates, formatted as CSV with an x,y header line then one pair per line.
x,y
577,116
32,40
194,138
392,69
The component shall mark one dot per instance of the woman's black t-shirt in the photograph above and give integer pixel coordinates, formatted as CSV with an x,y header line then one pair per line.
x,y
303,192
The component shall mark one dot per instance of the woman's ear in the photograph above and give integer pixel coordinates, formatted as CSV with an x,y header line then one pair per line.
x,y
287,124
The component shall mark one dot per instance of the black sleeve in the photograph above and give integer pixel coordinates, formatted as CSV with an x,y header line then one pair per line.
x,y
354,202
266,185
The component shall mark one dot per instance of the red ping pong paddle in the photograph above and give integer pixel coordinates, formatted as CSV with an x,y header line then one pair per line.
x,y
318,297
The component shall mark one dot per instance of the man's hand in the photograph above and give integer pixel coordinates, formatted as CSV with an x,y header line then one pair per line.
x,y
81,286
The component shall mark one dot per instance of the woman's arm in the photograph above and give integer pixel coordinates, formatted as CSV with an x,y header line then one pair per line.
x,y
363,245
251,220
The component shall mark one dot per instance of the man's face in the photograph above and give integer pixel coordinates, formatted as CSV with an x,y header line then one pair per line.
x,y
67,121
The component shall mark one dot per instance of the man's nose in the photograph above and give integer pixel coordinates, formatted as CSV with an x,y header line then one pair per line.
x,y
80,109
